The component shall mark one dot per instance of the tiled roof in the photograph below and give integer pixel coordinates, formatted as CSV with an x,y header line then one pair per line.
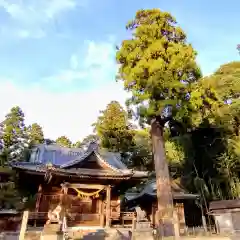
x,y
68,157
68,165
112,160
151,189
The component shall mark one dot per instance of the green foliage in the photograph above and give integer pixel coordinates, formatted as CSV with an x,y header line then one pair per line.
x,y
88,139
63,141
9,195
77,144
215,108
14,135
113,128
13,126
174,152
156,63
141,152
36,134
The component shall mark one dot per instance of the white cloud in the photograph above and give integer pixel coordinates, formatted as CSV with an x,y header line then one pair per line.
x,y
69,114
97,65
30,18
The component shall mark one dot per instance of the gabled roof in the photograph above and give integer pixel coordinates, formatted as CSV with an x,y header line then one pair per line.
x,y
111,160
115,168
150,189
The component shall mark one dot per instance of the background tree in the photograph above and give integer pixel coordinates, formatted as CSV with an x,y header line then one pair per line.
x,y
140,154
15,137
63,141
113,128
215,138
89,138
36,135
77,144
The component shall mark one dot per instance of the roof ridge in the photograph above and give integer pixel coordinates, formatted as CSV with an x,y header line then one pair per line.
x,y
77,160
109,165
116,155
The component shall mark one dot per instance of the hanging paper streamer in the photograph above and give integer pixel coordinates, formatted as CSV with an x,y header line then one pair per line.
x,y
82,194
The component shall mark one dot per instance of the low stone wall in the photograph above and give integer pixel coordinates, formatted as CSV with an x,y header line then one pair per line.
x,y
111,234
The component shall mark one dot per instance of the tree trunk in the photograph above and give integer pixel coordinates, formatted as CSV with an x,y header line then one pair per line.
x,y
164,192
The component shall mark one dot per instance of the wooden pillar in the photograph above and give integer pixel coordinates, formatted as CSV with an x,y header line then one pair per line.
x,y
204,223
101,212
38,201
39,195
152,216
64,200
108,206
176,224
134,222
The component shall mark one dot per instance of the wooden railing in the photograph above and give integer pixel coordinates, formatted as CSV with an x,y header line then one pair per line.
x,y
128,215
72,216
38,216
85,218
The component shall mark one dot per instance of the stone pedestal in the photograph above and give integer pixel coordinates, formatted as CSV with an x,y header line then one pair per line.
x,y
143,235
52,232
143,225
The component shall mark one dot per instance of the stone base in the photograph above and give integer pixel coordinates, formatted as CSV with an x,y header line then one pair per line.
x,y
52,237
143,225
142,235
52,232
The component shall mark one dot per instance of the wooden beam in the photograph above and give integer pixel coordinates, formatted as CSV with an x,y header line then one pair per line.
x,y
108,207
85,186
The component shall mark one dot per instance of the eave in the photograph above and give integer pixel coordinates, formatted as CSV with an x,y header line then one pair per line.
x,y
39,169
176,196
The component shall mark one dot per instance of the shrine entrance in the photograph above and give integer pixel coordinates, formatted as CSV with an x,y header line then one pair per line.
x,y
84,204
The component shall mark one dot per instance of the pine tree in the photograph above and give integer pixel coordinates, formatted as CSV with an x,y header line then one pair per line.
x,y
35,134
14,134
113,128
156,64
63,141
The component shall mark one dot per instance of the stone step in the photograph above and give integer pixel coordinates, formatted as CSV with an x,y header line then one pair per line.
x,y
84,232
51,228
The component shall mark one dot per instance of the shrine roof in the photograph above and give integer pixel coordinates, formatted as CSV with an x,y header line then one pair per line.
x,y
113,160
73,163
78,172
150,189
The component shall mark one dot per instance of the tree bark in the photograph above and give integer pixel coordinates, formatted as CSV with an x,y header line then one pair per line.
x,y
165,219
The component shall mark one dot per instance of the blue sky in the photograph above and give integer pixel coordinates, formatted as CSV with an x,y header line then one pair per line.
x,y
64,49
